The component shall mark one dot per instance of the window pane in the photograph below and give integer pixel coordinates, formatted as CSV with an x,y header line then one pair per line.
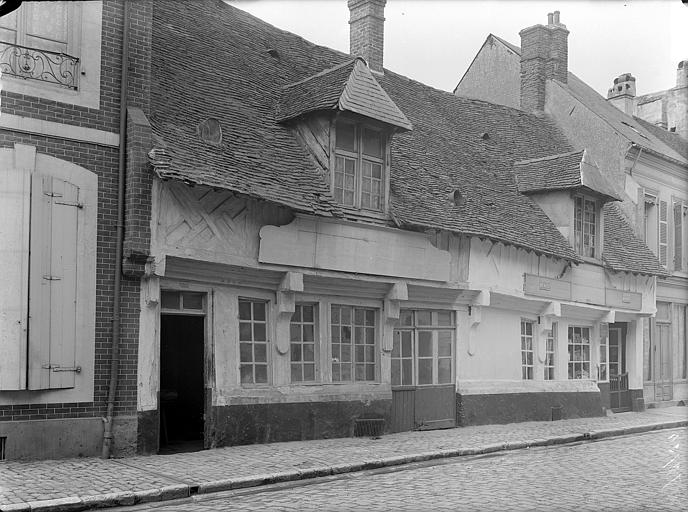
x,y
309,352
444,371
406,318
261,373
245,353
246,371
423,318
309,371
444,318
396,372
370,372
307,311
346,136
425,344
295,352
192,300
260,352
259,332
396,347
308,332
424,371
360,372
294,332
444,343
296,373
346,372
168,300
372,143
406,345
245,331
407,369
259,311
244,310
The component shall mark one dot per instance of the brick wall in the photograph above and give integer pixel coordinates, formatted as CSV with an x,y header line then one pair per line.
x,y
366,36
103,161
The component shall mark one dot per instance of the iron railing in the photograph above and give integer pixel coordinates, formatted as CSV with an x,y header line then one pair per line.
x,y
41,65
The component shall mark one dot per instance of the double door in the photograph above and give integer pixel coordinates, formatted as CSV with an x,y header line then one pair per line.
x,y
619,395
662,362
423,371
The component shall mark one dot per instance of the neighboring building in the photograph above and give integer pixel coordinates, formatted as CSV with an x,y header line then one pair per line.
x,y
61,65
647,165
666,109
314,246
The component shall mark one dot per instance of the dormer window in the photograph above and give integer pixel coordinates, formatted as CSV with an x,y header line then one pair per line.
x,y
358,177
585,226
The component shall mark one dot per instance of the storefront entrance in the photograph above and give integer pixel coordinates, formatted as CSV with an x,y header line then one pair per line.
x,y
423,374
619,395
182,328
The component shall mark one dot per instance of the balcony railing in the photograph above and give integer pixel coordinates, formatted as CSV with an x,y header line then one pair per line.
x,y
42,65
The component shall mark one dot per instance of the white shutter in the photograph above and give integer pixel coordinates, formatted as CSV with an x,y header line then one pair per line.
x,y
53,280
678,235
14,269
663,233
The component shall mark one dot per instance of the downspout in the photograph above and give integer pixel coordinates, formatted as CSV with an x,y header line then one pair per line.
x,y
114,358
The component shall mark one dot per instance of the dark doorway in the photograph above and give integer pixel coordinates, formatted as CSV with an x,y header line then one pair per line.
x,y
181,383
619,395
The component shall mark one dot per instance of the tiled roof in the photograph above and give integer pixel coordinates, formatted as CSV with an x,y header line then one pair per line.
x,y
572,170
630,127
671,139
623,251
348,87
212,60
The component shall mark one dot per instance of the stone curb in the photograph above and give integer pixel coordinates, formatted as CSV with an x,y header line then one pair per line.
x,y
184,490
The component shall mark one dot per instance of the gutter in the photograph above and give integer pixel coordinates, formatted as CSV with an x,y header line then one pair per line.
x,y
116,316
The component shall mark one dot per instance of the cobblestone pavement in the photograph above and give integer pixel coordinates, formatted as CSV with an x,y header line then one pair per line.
x,y
151,478
646,472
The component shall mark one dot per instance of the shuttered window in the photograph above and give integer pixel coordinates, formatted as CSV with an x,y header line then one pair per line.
x,y
52,284
678,235
48,277
663,232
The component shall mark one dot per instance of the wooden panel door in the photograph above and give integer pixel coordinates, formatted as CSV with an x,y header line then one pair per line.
x,y
662,367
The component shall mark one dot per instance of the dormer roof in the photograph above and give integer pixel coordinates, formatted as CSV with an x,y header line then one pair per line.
x,y
566,171
348,87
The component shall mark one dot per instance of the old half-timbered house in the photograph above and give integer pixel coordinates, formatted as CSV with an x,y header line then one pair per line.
x,y
341,250
67,80
646,162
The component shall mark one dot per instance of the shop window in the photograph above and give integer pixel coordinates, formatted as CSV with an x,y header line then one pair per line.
x,y
423,350
527,362
606,367
303,334
550,349
586,226
253,341
359,166
579,352
353,334
182,302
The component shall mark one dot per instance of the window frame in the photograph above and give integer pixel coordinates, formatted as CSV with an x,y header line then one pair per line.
x,y
528,370
358,156
87,47
268,331
549,370
317,377
414,328
578,240
353,354
571,363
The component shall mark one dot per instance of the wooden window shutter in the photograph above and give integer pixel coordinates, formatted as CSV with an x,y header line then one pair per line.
x,y
640,213
663,233
52,285
678,235
15,193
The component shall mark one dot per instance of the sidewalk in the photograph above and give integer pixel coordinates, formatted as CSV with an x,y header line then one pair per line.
x,y
79,484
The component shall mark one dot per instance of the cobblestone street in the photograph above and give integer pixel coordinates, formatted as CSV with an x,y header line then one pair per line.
x,y
638,472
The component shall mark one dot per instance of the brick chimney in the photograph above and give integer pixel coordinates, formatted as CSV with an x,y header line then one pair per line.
x,y
367,30
622,93
544,56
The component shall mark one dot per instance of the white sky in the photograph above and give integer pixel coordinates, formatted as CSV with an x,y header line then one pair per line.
x,y
434,41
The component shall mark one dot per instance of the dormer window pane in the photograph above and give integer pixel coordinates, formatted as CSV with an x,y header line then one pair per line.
x,y
585,226
372,143
345,180
346,137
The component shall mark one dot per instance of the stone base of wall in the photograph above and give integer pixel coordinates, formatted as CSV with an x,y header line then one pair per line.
x,y
147,436
515,407
52,439
267,423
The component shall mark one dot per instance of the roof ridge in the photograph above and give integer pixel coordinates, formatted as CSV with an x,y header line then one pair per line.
x,y
550,157
323,72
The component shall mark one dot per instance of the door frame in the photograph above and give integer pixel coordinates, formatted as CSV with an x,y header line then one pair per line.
x,y
206,294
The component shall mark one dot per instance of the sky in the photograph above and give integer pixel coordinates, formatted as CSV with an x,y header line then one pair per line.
x,y
434,41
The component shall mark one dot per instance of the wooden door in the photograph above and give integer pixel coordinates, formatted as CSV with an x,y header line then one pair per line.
x,y
619,395
423,360
662,358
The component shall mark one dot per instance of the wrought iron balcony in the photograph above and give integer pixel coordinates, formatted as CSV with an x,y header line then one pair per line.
x,y
42,65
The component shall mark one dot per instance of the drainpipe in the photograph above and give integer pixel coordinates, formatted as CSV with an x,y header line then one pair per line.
x,y
114,361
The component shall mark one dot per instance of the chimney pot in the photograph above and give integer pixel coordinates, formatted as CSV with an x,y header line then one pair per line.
x,y
682,74
550,18
556,17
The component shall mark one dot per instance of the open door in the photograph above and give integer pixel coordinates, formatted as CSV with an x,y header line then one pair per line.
x,y
182,403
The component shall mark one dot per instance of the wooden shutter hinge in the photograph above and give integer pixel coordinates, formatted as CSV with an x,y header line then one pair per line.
x,y
52,278
57,368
